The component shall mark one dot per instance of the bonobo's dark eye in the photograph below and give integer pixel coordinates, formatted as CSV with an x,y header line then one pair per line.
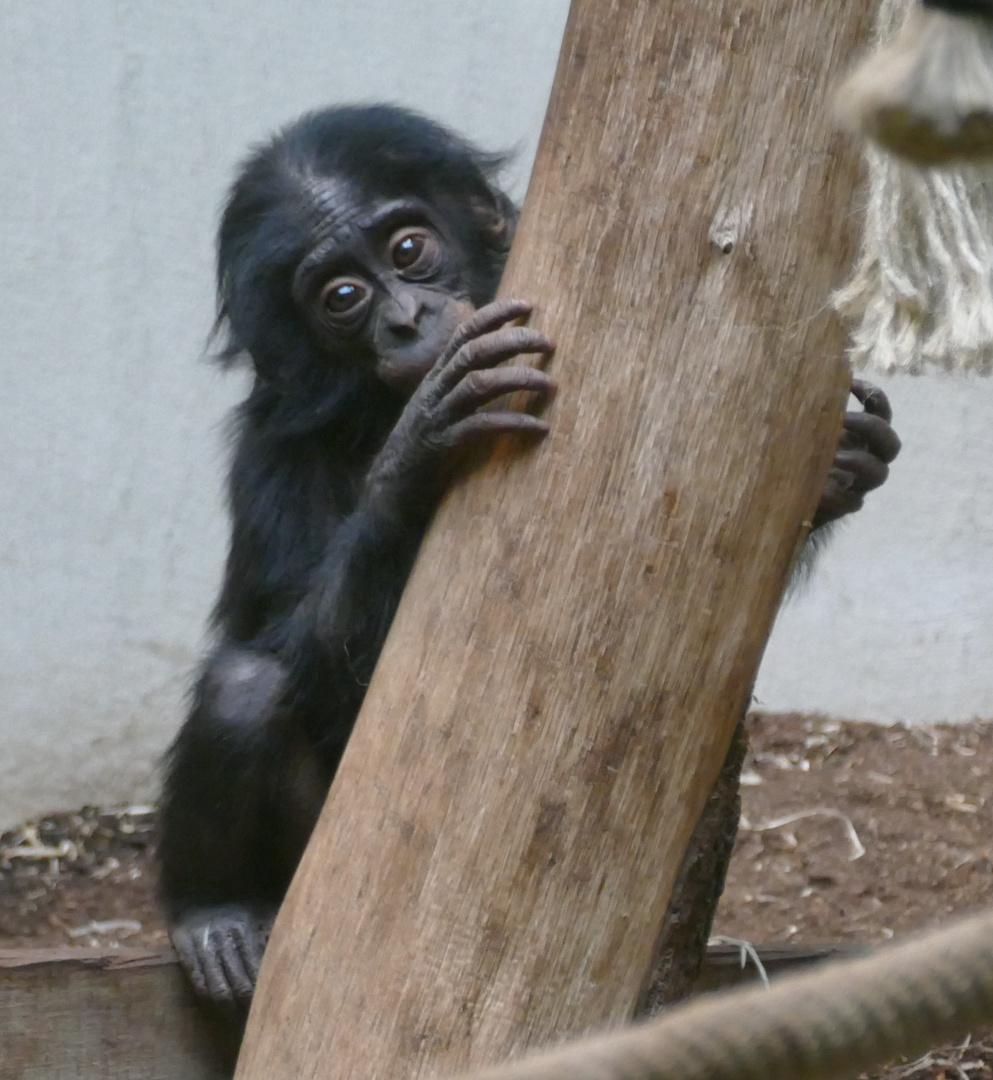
x,y
415,252
344,300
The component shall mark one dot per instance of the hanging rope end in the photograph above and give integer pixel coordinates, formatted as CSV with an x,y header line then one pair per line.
x,y
927,96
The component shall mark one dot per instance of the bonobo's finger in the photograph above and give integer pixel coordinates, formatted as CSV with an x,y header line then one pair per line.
x,y
873,400
835,506
264,927
218,985
875,434
189,955
840,497
479,387
251,941
494,422
867,470
237,976
838,480
487,318
492,349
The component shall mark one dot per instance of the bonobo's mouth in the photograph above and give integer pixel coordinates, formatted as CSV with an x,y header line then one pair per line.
x,y
403,367
404,370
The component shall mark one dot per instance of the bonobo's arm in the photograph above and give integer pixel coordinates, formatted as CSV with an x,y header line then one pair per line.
x,y
352,598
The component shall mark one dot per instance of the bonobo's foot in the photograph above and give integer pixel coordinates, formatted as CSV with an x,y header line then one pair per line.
x,y
867,446
221,949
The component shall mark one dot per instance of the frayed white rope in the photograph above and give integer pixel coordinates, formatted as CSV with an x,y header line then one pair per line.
x,y
921,295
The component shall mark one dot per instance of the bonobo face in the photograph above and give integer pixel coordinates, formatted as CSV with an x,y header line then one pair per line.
x,y
382,277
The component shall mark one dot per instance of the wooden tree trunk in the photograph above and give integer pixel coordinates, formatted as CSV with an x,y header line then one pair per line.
x,y
581,631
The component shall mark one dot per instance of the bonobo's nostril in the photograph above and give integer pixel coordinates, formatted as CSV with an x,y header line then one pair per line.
x,y
402,312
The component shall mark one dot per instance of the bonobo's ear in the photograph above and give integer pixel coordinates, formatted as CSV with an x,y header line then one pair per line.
x,y
496,218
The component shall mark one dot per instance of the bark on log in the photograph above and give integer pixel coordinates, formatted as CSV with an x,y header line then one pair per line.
x,y
681,947
581,631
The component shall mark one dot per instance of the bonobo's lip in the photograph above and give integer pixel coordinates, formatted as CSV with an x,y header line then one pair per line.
x,y
404,366
404,371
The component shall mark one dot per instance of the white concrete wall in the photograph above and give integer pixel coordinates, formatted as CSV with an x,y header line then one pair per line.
x,y
897,621
120,127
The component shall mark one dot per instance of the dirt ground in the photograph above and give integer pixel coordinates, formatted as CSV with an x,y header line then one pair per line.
x,y
918,803
851,832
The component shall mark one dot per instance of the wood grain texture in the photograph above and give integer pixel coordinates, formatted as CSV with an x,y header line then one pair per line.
x,y
581,631
127,1014
89,1014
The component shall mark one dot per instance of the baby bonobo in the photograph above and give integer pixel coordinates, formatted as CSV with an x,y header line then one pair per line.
x,y
358,257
